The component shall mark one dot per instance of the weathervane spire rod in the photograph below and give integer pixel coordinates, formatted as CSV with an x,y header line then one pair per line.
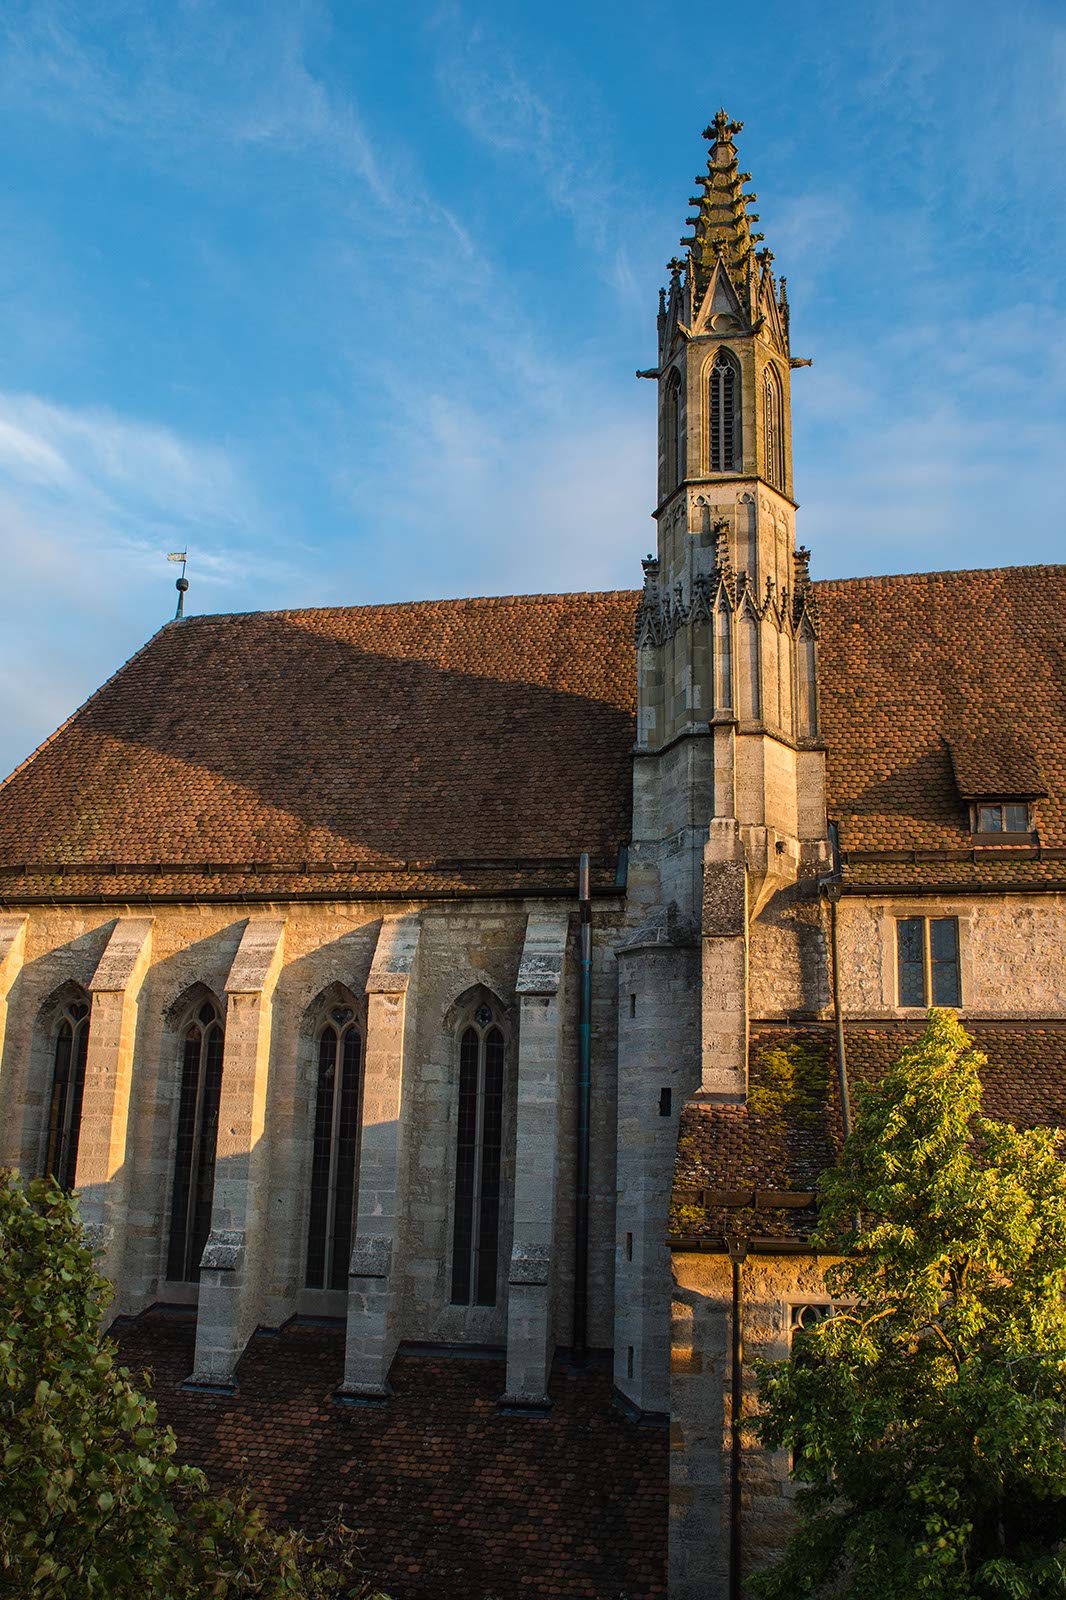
x,y
182,584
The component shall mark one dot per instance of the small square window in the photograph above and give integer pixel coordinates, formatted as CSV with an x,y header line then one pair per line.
x,y
1003,818
927,961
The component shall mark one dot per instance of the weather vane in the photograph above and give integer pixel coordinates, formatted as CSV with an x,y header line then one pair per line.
x,y
182,585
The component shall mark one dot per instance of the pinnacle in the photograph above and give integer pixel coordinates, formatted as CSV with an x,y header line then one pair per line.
x,y
721,226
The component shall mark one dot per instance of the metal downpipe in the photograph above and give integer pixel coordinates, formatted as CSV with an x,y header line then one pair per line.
x,y
584,1098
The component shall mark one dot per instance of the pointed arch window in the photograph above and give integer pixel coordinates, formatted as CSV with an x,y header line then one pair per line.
x,y
774,439
723,413
194,1163
673,432
68,1088
335,1156
479,1154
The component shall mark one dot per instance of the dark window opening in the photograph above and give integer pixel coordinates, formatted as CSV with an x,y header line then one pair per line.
x,y
194,1163
673,431
774,451
666,1100
68,1089
723,415
801,1319
927,951
478,1166
632,1005
335,1151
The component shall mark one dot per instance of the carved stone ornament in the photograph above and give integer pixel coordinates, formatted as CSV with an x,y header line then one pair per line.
x,y
371,1257
223,1251
530,1264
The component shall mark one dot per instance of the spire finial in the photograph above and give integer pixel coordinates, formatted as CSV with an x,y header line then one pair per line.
x,y
722,130
182,584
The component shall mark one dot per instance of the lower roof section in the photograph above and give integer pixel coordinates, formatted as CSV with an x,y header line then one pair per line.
x,y
450,1497
754,1169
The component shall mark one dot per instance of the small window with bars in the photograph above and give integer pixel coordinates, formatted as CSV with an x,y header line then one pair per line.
x,y
68,1088
335,1152
927,961
194,1161
478,1161
1003,817
723,415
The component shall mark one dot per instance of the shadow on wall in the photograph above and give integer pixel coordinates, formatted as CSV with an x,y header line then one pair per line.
x,y
260,737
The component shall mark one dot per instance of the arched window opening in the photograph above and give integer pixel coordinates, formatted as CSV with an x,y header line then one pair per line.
x,y
335,1156
674,432
724,414
194,1163
475,1244
775,455
68,1088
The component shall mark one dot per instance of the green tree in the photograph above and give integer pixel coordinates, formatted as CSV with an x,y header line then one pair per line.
x,y
926,1416
92,1503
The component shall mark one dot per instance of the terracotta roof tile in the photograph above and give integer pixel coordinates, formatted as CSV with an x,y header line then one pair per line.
x,y
909,663
733,1160
392,739
389,741
452,1499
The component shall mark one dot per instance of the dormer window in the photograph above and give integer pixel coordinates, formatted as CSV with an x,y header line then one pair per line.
x,y
1008,817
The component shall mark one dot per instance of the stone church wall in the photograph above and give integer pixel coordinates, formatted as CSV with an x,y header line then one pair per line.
x,y
326,946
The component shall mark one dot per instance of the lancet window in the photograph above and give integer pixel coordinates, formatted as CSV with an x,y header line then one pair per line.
x,y
774,436
68,1087
335,1154
673,431
724,414
479,1154
194,1163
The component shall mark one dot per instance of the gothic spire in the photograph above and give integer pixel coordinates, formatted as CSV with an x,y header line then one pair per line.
x,y
722,223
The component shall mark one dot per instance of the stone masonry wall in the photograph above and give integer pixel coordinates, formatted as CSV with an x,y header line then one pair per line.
x,y
699,1432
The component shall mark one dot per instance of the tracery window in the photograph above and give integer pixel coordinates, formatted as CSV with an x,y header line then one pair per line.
x,y
479,1153
194,1163
335,1156
724,414
68,1087
673,432
774,437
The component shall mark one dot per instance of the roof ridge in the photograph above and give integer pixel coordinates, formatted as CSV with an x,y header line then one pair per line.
x,y
490,601
886,579
25,762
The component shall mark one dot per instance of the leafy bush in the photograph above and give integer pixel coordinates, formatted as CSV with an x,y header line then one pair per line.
x,y
928,1414
92,1503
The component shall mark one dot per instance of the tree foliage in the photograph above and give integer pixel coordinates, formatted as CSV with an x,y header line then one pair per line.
x,y
926,1416
92,1502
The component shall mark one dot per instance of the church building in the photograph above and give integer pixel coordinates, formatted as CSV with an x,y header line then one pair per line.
x,y
495,975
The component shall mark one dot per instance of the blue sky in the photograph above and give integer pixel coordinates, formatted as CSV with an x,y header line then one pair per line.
x,y
349,297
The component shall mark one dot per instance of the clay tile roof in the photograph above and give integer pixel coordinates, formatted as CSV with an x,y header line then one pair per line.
x,y
735,1164
932,687
417,743
995,766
